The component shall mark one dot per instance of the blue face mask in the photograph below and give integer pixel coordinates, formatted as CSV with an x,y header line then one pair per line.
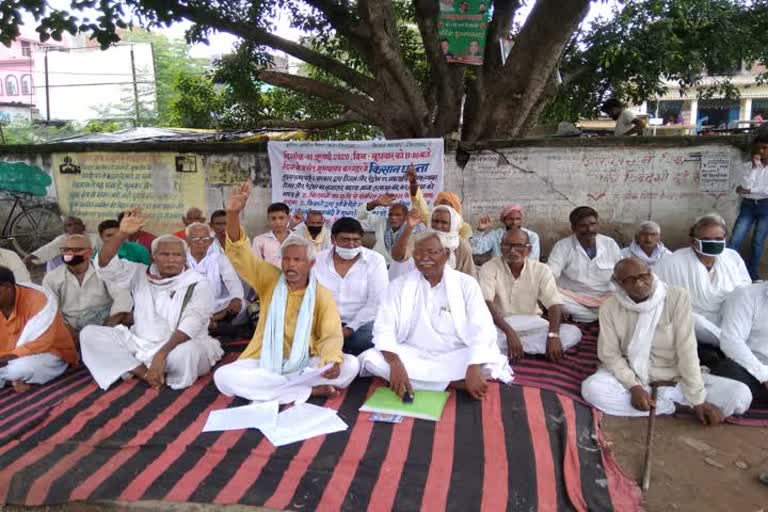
x,y
709,247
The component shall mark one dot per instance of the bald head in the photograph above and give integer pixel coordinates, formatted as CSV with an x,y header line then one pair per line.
x,y
634,276
193,215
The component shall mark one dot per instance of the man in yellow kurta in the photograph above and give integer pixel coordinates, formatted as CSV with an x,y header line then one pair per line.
x,y
297,347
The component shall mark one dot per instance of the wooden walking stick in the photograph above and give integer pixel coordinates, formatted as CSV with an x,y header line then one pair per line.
x,y
649,438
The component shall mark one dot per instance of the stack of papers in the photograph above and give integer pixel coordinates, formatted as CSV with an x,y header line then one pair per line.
x,y
426,405
297,423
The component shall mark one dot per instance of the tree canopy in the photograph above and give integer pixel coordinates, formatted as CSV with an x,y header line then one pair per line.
x,y
378,63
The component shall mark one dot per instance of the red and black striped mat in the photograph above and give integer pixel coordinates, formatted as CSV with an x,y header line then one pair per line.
x,y
522,448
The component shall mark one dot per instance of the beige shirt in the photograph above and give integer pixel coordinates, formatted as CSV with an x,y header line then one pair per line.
x,y
519,296
12,262
82,304
673,350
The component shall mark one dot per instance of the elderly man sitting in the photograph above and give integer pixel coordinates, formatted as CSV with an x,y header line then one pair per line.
x,y
487,239
647,244
313,228
583,264
83,297
646,337
299,330
169,341
35,345
388,229
50,253
709,271
513,286
744,340
356,277
193,216
207,258
433,329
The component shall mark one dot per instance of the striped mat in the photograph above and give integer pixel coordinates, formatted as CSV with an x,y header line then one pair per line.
x,y
579,363
522,448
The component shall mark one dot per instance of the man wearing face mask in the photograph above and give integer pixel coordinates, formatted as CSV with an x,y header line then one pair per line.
x,y
168,343
583,264
646,336
83,297
709,271
313,229
356,277
50,253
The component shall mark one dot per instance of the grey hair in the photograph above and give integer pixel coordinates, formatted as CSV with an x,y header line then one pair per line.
x,y
649,226
79,236
168,238
197,225
709,219
299,241
426,235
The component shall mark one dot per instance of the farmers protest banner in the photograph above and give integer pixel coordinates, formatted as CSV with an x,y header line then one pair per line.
x,y
336,177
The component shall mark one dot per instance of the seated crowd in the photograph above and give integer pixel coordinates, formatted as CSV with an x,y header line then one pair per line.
x,y
414,310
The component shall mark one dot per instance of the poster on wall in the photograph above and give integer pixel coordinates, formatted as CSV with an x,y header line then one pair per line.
x,y
97,186
462,26
715,173
336,177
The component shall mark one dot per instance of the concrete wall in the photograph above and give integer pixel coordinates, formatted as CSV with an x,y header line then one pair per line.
x,y
627,180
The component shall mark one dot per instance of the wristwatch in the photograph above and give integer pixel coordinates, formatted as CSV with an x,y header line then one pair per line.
x,y
553,335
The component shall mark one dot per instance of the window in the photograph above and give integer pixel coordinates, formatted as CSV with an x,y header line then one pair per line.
x,y
11,86
26,48
26,85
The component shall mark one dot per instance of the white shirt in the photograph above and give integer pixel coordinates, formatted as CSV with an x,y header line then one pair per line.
x,y
12,262
231,286
624,122
744,335
575,271
377,224
82,304
357,294
323,240
633,250
756,180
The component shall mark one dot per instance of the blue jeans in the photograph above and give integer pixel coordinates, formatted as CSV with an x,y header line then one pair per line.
x,y
751,212
360,341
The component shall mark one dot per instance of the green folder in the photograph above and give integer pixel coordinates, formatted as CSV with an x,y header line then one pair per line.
x,y
426,405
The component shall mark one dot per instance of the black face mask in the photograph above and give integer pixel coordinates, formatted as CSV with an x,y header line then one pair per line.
x,y
314,230
76,260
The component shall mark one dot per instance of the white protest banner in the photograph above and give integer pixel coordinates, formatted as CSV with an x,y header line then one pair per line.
x,y
336,177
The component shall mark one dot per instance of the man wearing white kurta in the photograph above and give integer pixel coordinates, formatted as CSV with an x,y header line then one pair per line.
x,y
646,336
433,329
583,264
296,348
168,342
388,229
709,271
513,286
356,277
227,293
744,340
647,244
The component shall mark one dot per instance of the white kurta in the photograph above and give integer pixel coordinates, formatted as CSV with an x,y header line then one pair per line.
x,y
225,284
633,250
708,289
744,336
437,332
584,282
109,353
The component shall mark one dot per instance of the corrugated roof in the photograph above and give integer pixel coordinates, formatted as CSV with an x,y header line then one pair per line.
x,y
144,134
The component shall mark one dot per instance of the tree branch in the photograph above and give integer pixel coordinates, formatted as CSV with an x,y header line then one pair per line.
x,y
309,124
358,103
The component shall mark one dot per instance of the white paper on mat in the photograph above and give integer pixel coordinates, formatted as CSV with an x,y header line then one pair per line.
x,y
255,415
302,422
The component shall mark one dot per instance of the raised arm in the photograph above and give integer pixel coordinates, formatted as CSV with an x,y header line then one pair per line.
x,y
133,220
400,249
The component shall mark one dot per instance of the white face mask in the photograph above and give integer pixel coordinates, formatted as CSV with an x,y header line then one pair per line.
x,y
348,254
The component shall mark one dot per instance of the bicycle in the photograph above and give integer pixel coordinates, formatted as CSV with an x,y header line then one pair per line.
x,y
32,227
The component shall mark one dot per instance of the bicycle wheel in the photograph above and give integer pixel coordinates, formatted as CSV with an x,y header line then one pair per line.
x,y
33,228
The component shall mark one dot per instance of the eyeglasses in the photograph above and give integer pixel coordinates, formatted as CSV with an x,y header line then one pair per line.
x,y
515,247
73,250
200,240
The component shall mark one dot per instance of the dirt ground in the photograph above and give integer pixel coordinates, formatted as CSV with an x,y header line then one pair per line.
x,y
695,468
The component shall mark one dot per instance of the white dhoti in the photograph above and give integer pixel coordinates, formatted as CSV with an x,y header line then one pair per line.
x,y
245,378
706,332
578,312
607,394
434,371
34,369
532,331
111,352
